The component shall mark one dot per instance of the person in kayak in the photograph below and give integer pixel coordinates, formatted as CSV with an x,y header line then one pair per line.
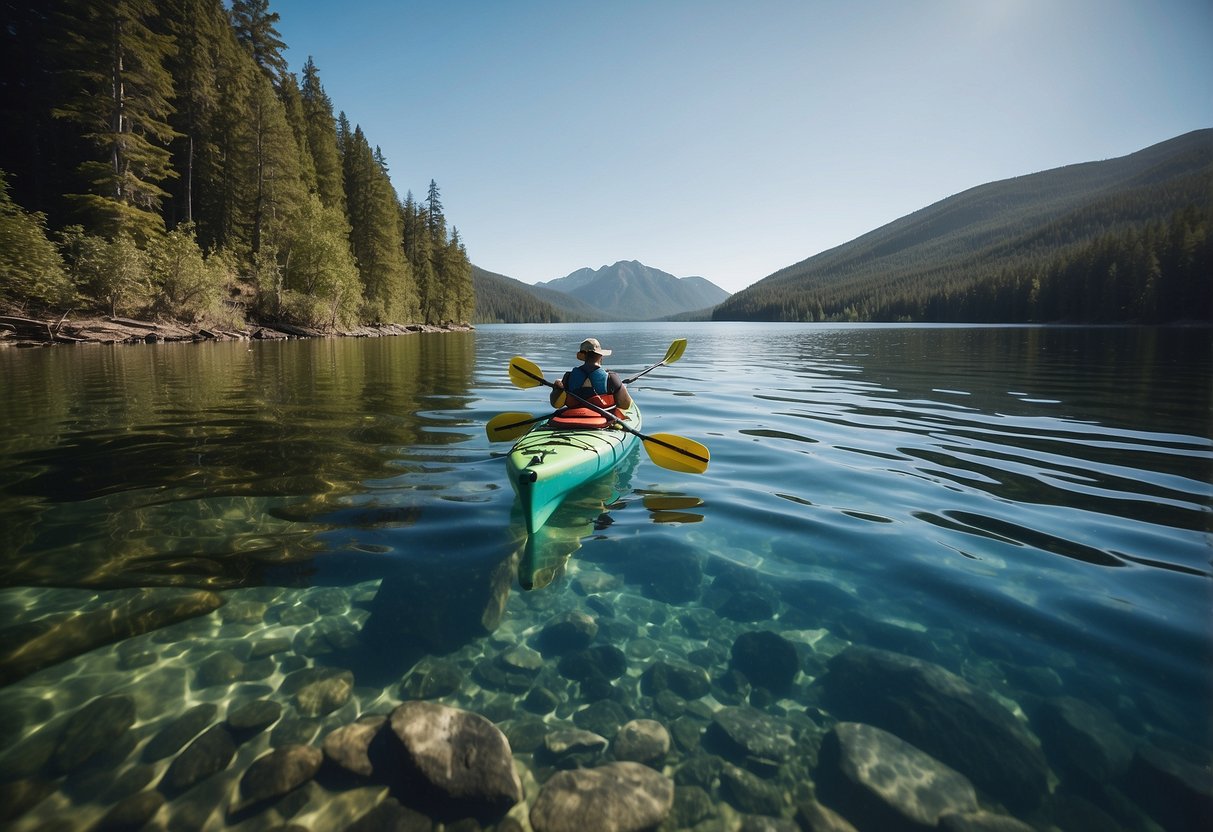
x,y
593,383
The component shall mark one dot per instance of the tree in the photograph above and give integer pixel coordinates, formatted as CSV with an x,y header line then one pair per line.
x,y
254,24
322,137
389,292
198,27
121,105
320,283
183,283
30,265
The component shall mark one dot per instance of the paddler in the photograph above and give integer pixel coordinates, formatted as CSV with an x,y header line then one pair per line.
x,y
592,382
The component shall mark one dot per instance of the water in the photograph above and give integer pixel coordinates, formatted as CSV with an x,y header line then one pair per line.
x,y
1026,508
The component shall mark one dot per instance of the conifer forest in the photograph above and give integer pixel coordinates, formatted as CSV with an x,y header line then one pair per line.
x,y
157,157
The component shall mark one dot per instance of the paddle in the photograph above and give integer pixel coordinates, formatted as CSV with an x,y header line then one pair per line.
x,y
677,453
671,355
506,426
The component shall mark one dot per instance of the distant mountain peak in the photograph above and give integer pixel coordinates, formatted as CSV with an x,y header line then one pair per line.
x,y
630,290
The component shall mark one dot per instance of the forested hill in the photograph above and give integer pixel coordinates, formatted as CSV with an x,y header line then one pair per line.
x,y
501,299
1120,240
632,291
160,159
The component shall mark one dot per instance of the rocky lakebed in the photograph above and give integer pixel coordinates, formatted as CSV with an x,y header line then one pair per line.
x,y
606,701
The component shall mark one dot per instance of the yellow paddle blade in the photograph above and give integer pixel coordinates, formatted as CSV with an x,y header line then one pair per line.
x,y
677,453
506,426
675,351
525,373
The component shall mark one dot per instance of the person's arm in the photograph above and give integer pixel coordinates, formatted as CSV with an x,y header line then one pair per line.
x,y
623,399
557,390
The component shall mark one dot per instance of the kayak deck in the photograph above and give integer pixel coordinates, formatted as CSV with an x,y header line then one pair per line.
x,y
549,462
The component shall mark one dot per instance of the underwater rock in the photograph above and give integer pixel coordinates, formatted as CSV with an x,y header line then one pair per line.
x,y
691,805
813,817
243,612
602,661
349,746
19,796
268,647
391,816
766,823
221,668
462,757
181,730
1176,792
747,606
747,733
767,659
981,821
748,792
663,567
686,681
1083,739
942,714
93,729
253,717
132,812
642,741
208,754
573,748
432,679
617,797
567,632
277,773
25,651
319,690
526,735
602,717
540,700
294,731
883,782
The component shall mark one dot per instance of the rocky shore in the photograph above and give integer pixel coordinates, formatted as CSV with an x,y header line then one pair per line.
x,y
21,331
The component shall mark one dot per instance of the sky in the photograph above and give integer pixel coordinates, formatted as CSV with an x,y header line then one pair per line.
x,y
730,139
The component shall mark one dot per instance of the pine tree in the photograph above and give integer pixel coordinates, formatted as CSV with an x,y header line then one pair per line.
x,y
322,137
254,26
121,105
198,27
389,293
418,248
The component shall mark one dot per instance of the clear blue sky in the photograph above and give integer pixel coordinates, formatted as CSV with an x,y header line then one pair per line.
x,y
729,139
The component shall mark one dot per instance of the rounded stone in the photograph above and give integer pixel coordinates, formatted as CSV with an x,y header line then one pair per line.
x,y
642,741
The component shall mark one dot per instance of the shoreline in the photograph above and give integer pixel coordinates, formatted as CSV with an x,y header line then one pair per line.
x,y
22,332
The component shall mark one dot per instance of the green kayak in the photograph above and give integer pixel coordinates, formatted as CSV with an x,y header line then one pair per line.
x,y
549,462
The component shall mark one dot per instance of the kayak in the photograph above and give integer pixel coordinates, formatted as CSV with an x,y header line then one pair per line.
x,y
549,462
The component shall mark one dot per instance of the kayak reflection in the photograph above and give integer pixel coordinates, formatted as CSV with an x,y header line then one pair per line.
x,y
584,512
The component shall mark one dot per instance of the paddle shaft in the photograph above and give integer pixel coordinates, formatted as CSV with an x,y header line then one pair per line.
x,y
608,415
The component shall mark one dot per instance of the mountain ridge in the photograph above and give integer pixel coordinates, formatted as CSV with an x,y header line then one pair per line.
x,y
1007,237
621,289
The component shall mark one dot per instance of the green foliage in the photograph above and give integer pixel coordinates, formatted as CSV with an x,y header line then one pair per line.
x,y
184,284
120,101
113,275
375,237
30,266
320,285
503,300
178,130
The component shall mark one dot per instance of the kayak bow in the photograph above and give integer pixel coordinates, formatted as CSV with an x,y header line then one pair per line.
x,y
549,462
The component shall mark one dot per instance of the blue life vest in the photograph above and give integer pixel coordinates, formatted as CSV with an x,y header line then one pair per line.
x,y
576,415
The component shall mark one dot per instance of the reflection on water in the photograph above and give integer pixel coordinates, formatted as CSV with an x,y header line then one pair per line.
x,y
986,548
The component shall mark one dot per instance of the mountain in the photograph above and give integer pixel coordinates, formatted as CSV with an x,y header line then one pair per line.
x,y
504,300
1124,239
632,291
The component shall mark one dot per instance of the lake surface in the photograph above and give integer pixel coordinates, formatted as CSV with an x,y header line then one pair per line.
x,y
990,542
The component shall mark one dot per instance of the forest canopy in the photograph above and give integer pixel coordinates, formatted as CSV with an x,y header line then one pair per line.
x,y
159,158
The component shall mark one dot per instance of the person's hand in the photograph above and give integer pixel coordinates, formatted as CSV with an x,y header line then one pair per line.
x,y
558,384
